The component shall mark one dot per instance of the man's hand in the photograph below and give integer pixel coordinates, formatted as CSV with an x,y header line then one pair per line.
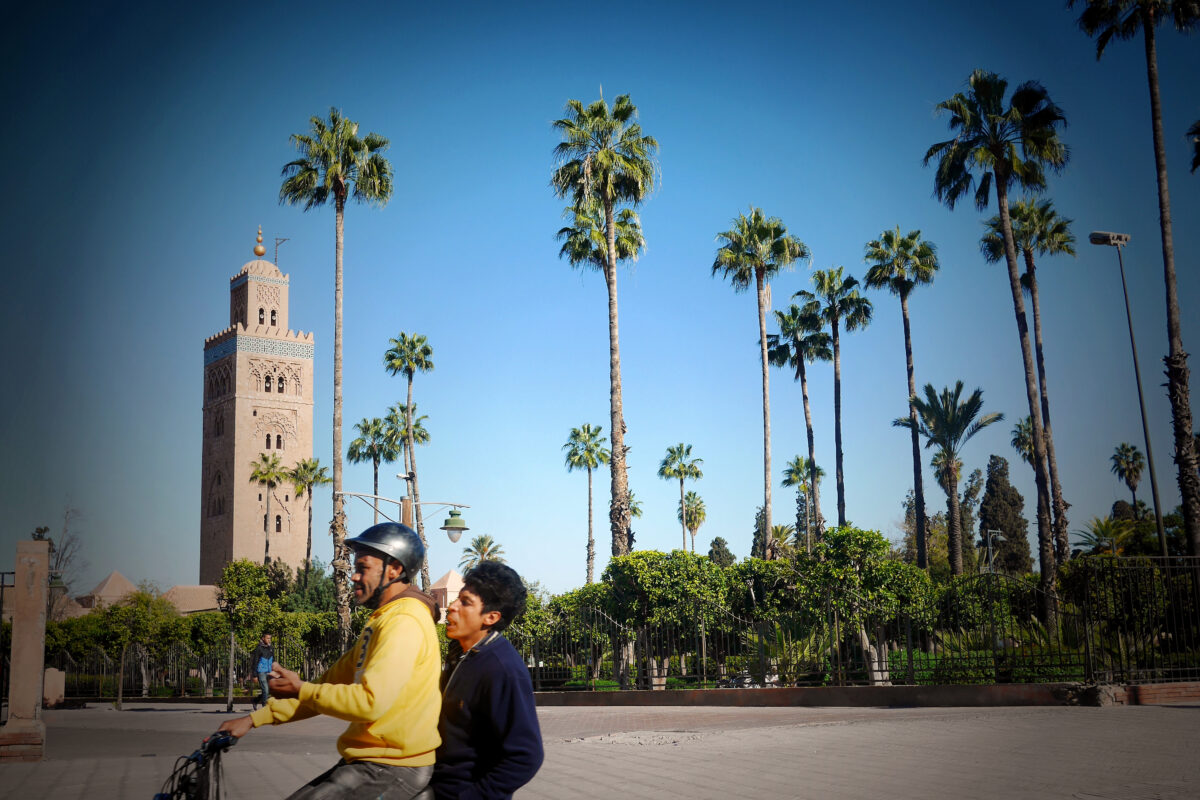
x,y
284,682
238,726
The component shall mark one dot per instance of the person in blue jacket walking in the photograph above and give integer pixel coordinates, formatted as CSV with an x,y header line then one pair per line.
x,y
263,658
491,742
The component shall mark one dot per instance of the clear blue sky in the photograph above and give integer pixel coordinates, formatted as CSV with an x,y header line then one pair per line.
x,y
144,146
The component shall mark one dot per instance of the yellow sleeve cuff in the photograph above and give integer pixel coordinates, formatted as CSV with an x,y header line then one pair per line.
x,y
263,716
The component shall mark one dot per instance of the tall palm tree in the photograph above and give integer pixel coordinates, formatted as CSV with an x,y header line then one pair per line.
x,y
692,515
585,450
396,425
268,472
839,303
900,264
802,339
1122,19
947,422
1038,230
407,355
305,476
482,548
1006,143
604,158
1127,464
799,472
751,253
335,162
1194,134
1022,439
372,444
678,463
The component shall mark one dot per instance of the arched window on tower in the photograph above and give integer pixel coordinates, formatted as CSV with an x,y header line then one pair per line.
x,y
267,446
278,524
279,385
278,442
262,316
272,318
267,383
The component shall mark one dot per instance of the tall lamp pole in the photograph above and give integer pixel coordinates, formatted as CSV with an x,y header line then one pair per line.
x,y
1119,240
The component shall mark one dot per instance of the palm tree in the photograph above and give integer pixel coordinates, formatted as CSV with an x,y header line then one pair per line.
x,y
1122,19
396,425
335,162
1127,464
1022,439
947,423
305,476
801,339
373,444
902,263
692,514
678,463
604,158
585,450
409,354
267,472
1105,534
635,512
780,545
1194,134
751,253
482,548
1006,144
1037,229
799,472
838,302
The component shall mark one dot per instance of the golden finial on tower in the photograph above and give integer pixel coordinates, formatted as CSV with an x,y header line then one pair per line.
x,y
259,250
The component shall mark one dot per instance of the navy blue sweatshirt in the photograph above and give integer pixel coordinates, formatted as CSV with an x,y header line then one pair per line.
x,y
491,743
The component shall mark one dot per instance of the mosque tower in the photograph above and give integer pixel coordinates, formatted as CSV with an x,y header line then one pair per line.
x,y
258,399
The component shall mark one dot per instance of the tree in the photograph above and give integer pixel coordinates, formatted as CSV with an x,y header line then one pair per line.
x,y
751,253
692,514
66,562
1194,134
1002,510
947,423
901,264
305,476
1038,230
720,554
585,450
268,473
801,339
678,463
407,355
1022,439
1127,464
482,548
396,424
839,303
373,444
635,512
1122,19
336,163
137,620
799,473
1006,144
758,545
604,159
1105,535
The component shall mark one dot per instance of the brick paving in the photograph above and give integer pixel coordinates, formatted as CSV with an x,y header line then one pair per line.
x,y
1114,753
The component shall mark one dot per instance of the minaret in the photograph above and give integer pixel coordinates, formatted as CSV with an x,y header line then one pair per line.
x,y
258,382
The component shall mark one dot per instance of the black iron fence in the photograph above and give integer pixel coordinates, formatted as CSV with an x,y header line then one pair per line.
x,y
1133,620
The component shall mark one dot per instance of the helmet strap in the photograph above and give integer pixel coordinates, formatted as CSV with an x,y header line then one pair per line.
x,y
372,602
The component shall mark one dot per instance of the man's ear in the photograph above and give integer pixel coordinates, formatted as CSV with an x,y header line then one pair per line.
x,y
490,618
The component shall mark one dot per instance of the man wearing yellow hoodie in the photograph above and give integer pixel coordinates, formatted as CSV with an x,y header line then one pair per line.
x,y
385,686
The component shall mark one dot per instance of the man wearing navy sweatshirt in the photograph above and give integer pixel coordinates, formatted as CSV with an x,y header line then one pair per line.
x,y
491,743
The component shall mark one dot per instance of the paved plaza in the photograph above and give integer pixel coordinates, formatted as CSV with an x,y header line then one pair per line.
x,y
693,752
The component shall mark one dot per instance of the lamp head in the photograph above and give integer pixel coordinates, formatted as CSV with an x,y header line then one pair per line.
x,y
1108,239
454,525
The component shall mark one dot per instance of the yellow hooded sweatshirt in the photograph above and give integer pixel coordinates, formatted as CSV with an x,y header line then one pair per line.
x,y
385,686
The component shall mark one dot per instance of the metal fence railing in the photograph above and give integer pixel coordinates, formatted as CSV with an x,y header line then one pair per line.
x,y
1126,620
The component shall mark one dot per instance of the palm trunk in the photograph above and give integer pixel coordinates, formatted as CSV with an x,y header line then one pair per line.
x,y
1062,547
412,455
337,526
954,529
918,478
814,492
375,489
807,521
618,513
682,515
837,423
591,544
1176,360
766,397
267,528
308,544
1133,493
1046,561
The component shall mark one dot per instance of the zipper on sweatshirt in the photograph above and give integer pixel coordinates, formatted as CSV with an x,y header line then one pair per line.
x,y
479,645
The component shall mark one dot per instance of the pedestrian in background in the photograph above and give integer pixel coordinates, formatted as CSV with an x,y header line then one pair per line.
x,y
263,658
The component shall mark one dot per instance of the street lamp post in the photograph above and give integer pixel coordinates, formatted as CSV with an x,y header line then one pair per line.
x,y
1119,240
227,608
989,535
